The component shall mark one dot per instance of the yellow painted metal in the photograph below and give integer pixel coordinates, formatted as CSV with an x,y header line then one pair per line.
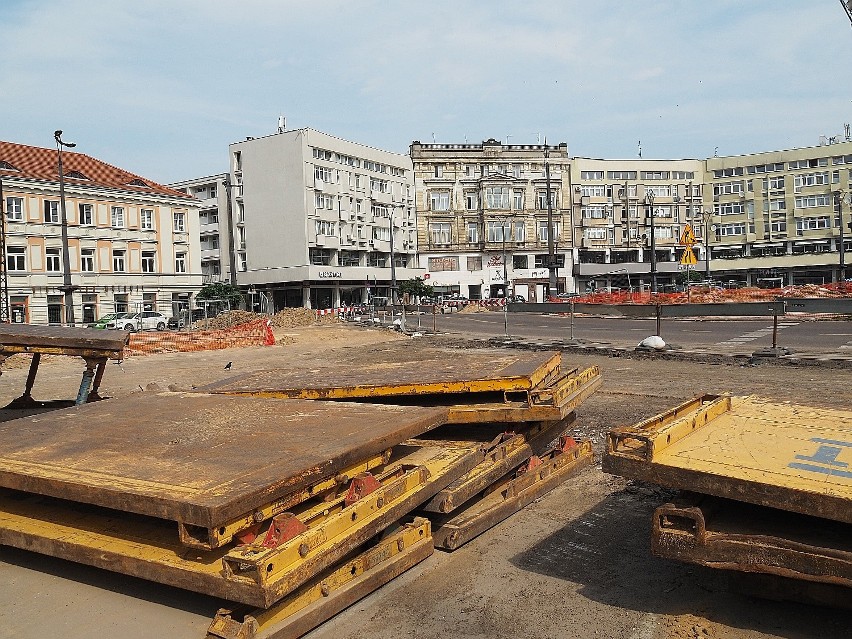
x,y
293,615
211,538
781,455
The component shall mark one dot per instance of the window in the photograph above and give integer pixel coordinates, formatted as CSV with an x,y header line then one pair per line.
x,y
439,200
621,175
474,263
591,175
541,260
16,258
598,212
497,197
87,260
542,230
440,232
51,212
212,190
117,217
765,168
737,228
655,175
180,221
323,174
379,185
729,208
379,260
15,208
595,233
518,200
664,232
520,261
520,232
180,262
498,231
659,190
810,179
242,262
322,154
118,261
593,190
381,233
727,188
775,183
808,164
729,172
662,211
812,224
778,226
323,227
516,170
683,175
439,170
86,214
449,263
812,201
472,232
324,201
541,200
778,204
146,219
471,200
53,259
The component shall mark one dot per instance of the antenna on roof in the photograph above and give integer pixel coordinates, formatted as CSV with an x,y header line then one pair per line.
x,y
640,148
282,122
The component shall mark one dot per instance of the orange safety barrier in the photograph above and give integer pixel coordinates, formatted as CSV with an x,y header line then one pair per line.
x,y
255,333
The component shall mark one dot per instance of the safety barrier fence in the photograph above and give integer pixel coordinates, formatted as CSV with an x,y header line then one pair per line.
x,y
255,333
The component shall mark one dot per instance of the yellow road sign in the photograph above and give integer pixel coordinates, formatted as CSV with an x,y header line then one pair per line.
x,y
688,257
687,238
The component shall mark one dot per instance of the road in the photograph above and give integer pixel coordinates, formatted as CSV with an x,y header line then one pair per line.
x,y
729,336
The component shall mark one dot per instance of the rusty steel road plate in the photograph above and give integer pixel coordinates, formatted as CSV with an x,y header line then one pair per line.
x,y
193,458
401,370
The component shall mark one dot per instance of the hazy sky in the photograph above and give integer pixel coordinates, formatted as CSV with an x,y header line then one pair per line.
x,y
161,87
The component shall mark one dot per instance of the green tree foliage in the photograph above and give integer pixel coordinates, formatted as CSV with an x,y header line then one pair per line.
x,y
221,291
415,287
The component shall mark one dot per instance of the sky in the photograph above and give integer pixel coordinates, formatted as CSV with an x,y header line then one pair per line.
x,y
162,87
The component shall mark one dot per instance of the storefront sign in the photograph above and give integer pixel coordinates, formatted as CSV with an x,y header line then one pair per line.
x,y
330,274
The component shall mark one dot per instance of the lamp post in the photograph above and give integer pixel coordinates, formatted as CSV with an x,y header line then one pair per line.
x,y
707,214
649,196
504,224
67,287
392,259
841,272
551,247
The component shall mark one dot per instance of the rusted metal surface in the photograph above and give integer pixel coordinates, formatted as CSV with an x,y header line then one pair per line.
x,y
57,340
202,460
147,547
779,455
731,535
509,495
401,372
331,591
501,456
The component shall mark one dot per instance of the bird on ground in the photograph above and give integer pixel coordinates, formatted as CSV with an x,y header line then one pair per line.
x,y
228,366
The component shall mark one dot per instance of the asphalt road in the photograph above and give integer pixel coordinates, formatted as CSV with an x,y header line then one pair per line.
x,y
728,336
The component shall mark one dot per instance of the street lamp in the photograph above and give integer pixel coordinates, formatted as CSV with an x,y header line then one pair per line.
x,y
649,196
838,198
67,288
392,258
707,214
504,224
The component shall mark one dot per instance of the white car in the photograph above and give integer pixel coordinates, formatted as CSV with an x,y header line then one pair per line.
x,y
146,320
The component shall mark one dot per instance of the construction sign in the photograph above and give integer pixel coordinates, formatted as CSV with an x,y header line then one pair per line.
x,y
687,238
688,257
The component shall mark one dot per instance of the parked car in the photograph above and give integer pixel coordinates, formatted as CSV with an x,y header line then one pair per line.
x,y
103,321
146,320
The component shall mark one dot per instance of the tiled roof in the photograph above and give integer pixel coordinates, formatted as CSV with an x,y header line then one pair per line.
x,y
40,164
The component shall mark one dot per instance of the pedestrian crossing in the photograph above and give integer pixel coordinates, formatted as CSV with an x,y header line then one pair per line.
x,y
753,335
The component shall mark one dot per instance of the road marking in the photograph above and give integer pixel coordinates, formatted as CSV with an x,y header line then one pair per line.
x,y
753,335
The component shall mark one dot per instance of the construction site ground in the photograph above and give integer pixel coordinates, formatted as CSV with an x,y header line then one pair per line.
x,y
576,563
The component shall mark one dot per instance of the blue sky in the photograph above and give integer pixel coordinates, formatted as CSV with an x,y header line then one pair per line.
x,y
161,87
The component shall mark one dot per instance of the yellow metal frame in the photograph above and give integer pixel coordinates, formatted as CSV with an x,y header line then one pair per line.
x,y
211,538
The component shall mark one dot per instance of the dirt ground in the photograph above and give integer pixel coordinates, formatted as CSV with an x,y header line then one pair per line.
x,y
576,563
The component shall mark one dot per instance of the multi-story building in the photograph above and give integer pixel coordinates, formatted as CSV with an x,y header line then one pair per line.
x,y
780,217
482,220
132,244
217,254
613,203
319,221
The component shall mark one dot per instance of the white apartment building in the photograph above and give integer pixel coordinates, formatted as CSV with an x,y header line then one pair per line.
x,y
319,221
483,217
132,243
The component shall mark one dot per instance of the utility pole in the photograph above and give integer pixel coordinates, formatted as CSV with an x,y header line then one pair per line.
x,y
229,212
708,216
649,196
67,288
838,198
551,245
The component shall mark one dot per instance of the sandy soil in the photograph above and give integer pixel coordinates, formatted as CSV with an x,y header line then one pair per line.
x,y
575,563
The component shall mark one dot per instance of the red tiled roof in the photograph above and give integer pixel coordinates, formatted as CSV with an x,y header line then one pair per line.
x,y
40,164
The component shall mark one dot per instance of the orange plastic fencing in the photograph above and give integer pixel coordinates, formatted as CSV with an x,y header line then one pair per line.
x,y
256,333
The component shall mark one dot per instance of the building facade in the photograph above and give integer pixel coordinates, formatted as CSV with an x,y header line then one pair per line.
x,y
319,221
132,243
615,204
482,217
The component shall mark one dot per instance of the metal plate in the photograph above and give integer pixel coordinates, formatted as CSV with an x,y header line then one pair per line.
x,y
16,338
198,459
735,536
786,456
398,371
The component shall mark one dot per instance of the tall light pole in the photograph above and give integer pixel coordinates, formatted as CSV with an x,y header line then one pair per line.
x,y
649,196
67,287
707,214
838,198
392,259
551,247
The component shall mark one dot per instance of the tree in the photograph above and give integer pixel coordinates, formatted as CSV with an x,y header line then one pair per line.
x,y
221,291
415,287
